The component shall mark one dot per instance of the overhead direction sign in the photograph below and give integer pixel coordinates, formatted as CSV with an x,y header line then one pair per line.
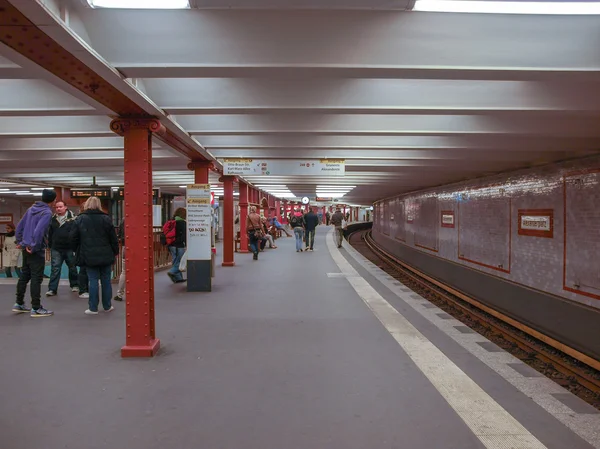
x,y
279,167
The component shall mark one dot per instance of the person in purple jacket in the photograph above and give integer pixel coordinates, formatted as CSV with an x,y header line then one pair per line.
x,y
31,239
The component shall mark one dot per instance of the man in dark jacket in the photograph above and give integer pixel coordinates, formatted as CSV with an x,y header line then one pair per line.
x,y
337,220
60,247
311,221
31,238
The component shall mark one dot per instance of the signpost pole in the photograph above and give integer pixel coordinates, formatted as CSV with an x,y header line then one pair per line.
x,y
199,221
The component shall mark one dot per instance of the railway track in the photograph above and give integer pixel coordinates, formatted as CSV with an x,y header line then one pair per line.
x,y
579,376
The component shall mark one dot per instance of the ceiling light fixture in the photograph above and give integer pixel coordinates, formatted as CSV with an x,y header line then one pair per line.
x,y
508,7
140,4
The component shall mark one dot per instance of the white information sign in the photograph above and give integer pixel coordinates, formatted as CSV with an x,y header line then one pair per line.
x,y
199,220
448,219
535,222
268,167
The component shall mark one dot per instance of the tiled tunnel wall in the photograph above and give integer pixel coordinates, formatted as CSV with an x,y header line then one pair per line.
x,y
477,224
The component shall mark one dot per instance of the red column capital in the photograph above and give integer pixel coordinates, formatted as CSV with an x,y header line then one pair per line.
x,y
121,125
195,165
228,178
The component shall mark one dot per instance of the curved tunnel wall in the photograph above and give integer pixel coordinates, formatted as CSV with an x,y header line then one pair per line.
x,y
526,243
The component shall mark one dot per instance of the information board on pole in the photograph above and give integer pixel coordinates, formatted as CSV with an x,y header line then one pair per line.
x,y
271,167
198,221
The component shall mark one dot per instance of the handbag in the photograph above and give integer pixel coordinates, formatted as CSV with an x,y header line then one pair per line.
x,y
257,232
344,224
183,262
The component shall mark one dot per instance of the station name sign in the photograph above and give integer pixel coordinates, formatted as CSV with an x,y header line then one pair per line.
x,y
536,222
282,167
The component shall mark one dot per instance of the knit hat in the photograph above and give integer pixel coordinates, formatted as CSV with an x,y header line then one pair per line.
x,y
48,196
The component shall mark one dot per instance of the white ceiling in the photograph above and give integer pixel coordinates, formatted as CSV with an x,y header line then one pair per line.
x,y
409,99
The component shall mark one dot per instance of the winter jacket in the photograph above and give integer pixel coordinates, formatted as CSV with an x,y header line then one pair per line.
x,y
311,221
94,239
336,219
32,230
10,252
59,237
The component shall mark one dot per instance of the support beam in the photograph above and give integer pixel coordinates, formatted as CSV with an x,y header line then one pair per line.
x,y
244,192
228,243
141,339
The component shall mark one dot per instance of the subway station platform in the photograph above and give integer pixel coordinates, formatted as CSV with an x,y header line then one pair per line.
x,y
295,350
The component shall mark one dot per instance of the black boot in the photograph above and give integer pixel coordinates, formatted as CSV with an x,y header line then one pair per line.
x,y
255,257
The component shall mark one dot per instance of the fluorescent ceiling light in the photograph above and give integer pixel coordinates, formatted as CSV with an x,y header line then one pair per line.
x,y
508,7
183,187
42,188
140,4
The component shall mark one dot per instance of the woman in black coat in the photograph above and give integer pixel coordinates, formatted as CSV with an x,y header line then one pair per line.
x,y
95,243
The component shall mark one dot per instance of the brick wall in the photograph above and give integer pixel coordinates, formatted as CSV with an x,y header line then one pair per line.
x,y
486,233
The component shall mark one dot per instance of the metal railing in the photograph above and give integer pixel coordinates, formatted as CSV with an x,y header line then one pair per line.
x,y
161,255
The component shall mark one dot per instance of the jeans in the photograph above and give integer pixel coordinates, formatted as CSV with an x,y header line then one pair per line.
x,y
101,274
33,270
8,272
270,241
299,233
176,254
253,242
83,280
58,258
339,236
310,239
121,287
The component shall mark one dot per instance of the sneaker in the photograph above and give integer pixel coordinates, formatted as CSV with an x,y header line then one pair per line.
x,y
91,312
18,308
108,310
172,277
118,298
41,312
75,289
311,250
84,295
50,293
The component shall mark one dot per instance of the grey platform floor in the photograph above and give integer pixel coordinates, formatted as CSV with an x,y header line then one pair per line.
x,y
278,356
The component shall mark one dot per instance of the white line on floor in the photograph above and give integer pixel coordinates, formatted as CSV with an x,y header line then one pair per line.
x,y
493,425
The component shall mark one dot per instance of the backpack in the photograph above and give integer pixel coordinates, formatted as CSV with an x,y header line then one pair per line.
x,y
295,221
167,237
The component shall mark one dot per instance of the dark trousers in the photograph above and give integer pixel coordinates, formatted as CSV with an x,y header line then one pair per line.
x,y
310,238
58,258
83,280
33,270
8,272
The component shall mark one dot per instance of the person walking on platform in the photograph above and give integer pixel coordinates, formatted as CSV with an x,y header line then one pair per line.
x,y
60,248
175,231
327,217
254,230
10,252
337,220
95,241
31,238
297,224
121,287
311,221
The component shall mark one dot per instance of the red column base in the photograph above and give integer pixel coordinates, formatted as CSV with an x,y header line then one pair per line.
x,y
228,264
243,251
141,351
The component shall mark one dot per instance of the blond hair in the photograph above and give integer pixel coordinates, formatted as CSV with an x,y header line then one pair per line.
x,y
93,202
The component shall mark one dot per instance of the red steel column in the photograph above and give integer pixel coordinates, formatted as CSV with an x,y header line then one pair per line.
x,y
201,169
243,216
228,243
278,210
140,337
